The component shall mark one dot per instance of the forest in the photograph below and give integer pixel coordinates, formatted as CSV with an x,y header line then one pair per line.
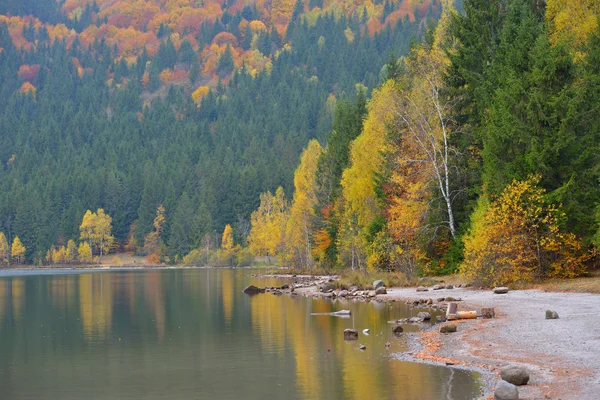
x,y
193,108
421,137
479,154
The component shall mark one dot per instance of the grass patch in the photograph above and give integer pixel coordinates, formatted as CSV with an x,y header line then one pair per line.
x,y
590,283
364,279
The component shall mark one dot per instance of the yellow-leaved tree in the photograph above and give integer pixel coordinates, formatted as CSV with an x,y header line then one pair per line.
x,y
267,225
572,21
361,205
96,229
302,211
17,249
84,252
517,237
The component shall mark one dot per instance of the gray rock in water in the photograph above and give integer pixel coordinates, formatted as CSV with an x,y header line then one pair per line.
x,y
516,375
380,290
551,314
425,316
422,289
415,320
327,287
436,287
350,334
397,329
378,283
253,290
343,293
500,290
353,289
449,287
440,318
440,299
450,328
371,293
506,391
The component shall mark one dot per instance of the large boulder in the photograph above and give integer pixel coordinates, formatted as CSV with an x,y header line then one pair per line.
x,y
378,283
506,391
350,334
500,290
450,328
516,375
253,290
380,290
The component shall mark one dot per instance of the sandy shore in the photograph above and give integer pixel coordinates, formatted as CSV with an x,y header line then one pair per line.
x,y
562,355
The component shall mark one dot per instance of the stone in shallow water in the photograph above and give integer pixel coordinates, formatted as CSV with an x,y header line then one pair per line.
x,y
397,329
425,316
253,290
422,289
350,334
551,314
506,391
500,290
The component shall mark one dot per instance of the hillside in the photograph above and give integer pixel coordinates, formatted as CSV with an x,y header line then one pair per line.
x,y
198,106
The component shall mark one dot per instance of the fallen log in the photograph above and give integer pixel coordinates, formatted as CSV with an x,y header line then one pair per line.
x,y
467,314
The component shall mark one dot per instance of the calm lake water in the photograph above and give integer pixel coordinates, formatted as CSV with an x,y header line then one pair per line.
x,y
193,334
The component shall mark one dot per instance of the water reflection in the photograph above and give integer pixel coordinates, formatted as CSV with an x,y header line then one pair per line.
x,y
182,334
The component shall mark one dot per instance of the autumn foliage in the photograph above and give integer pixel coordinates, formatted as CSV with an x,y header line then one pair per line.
x,y
517,237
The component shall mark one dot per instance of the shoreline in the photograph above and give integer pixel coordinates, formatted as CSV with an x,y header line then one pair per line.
x,y
559,354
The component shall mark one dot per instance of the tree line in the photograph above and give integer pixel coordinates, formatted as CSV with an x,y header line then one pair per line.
x,y
81,130
478,154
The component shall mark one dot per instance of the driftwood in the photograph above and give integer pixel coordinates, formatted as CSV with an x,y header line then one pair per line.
x,y
467,314
341,313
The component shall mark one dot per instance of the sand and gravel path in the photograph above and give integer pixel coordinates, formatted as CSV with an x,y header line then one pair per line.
x,y
563,355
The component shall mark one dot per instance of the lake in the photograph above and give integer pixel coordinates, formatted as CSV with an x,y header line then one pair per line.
x,y
193,334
